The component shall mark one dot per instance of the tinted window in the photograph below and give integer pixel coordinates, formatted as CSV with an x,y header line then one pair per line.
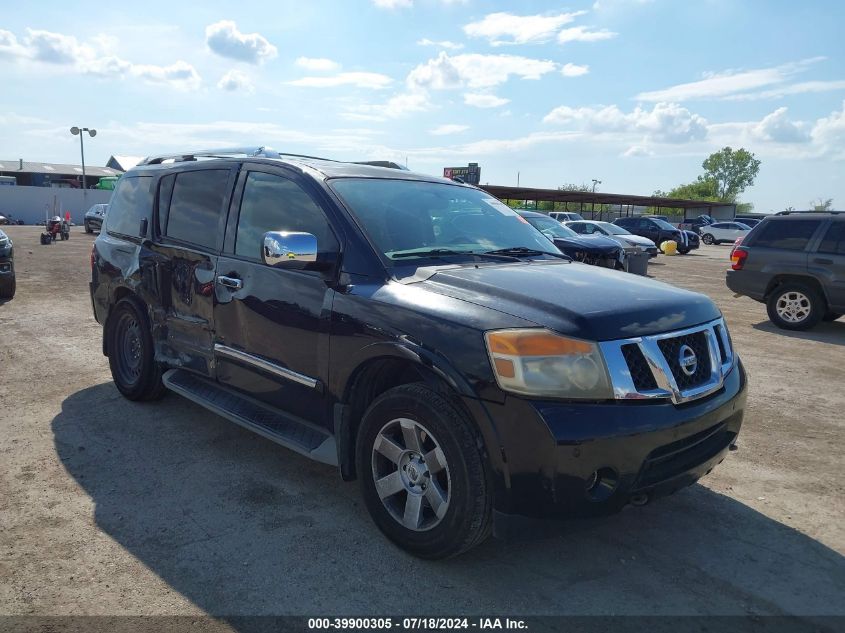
x,y
274,203
625,222
578,227
131,202
791,235
196,205
165,191
833,241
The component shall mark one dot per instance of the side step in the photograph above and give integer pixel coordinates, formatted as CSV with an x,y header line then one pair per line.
x,y
293,433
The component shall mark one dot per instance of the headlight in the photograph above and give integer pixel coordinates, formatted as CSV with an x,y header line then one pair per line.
x,y
537,362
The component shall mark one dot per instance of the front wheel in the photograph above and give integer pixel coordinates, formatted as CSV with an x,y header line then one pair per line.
x,y
708,239
795,306
423,477
88,228
134,369
8,291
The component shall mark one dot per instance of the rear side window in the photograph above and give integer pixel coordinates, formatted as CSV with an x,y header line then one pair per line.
x,y
131,202
196,205
274,203
790,235
833,241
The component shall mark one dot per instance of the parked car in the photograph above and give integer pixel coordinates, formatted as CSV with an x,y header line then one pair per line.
x,y
4,220
719,232
565,216
7,267
655,229
617,233
693,241
414,332
795,264
93,220
749,222
698,223
596,250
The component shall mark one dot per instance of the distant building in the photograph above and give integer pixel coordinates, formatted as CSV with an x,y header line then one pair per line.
x,y
37,174
123,163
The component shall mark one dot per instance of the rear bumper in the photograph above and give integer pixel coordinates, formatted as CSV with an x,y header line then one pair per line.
x,y
568,460
740,282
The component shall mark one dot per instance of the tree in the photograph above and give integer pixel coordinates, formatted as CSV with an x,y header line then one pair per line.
x,y
822,205
731,171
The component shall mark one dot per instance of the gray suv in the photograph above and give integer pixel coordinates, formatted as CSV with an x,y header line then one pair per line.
x,y
795,264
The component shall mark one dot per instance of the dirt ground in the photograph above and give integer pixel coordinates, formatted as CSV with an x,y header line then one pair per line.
x,y
113,507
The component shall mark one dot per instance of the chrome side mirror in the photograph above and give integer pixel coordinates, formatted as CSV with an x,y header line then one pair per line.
x,y
288,246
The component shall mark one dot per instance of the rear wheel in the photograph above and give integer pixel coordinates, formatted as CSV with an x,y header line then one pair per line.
x,y
132,362
423,476
795,306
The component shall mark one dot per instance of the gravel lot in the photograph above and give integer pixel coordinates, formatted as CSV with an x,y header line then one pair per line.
x,y
112,507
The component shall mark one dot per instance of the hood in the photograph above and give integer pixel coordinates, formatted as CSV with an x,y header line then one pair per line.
x,y
584,301
638,240
593,243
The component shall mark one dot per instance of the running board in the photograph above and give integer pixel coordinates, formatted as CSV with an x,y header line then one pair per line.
x,y
297,435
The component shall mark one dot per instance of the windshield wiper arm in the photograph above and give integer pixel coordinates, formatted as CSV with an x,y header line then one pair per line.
x,y
522,251
443,252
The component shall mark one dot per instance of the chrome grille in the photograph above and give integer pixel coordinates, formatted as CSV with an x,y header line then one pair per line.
x,y
653,366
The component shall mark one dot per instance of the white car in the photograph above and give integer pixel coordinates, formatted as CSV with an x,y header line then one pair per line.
x,y
565,216
614,232
719,232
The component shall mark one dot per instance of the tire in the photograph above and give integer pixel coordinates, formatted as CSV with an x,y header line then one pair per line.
x,y
450,442
88,229
831,316
708,239
795,306
134,370
683,251
45,239
8,291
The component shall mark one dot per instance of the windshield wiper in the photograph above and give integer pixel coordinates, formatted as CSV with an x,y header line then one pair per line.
x,y
444,252
522,251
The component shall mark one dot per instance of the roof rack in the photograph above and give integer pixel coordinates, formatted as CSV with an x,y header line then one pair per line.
x,y
259,151
828,211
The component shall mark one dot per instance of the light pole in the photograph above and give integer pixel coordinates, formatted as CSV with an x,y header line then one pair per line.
x,y
593,210
75,130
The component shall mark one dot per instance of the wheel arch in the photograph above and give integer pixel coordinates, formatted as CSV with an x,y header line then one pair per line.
x,y
779,280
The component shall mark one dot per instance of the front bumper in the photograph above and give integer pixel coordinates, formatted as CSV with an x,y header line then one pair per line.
x,y
592,459
7,263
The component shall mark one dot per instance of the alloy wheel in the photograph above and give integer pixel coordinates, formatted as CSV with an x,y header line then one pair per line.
x,y
793,306
411,474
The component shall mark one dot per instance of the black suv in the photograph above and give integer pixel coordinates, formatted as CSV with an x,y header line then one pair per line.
x,y
7,267
658,231
795,264
414,332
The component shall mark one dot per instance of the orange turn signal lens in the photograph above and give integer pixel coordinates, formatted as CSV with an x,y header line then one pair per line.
x,y
504,367
534,343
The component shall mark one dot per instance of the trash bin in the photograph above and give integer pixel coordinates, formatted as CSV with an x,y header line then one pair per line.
x,y
637,263
669,247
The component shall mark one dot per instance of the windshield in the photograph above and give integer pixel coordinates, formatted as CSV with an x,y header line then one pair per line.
x,y
663,224
548,226
407,219
613,229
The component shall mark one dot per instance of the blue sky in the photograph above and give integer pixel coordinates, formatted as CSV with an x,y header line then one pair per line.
x,y
635,93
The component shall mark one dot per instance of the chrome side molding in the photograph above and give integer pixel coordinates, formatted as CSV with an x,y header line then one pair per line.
x,y
265,365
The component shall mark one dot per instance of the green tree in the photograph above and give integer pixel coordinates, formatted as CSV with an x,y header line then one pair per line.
x,y
731,170
822,204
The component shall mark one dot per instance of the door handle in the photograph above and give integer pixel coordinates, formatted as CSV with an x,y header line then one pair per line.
x,y
230,282
822,260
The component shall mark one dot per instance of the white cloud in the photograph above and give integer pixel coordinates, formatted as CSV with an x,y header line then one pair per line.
x,y
728,83
92,58
636,151
396,107
507,28
829,133
440,44
778,128
393,4
235,81
448,129
665,123
574,70
179,74
481,100
583,34
802,87
317,64
474,70
357,79
226,40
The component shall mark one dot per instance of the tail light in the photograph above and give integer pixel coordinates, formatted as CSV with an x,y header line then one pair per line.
x,y
738,257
